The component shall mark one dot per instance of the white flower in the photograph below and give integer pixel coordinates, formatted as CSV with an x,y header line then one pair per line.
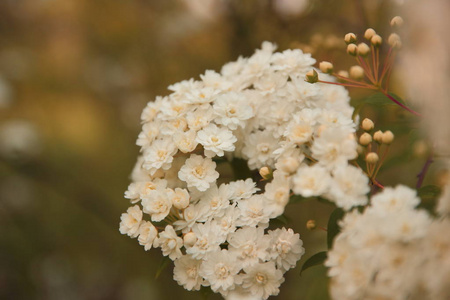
x,y
200,96
254,211
232,110
216,140
215,80
208,240
186,272
395,199
259,148
159,155
190,215
349,187
220,270
199,118
216,200
226,223
179,197
157,204
311,181
130,221
262,280
185,141
198,172
334,147
242,189
170,243
147,235
277,192
149,133
286,248
249,244
298,131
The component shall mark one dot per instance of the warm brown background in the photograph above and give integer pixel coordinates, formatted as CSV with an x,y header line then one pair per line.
x,y
74,77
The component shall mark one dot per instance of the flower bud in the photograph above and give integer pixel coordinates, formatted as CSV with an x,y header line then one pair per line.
x,y
189,239
311,225
350,38
363,49
378,136
394,41
326,67
369,33
376,40
387,137
365,139
372,158
312,76
356,72
360,149
265,173
343,73
367,124
396,22
352,49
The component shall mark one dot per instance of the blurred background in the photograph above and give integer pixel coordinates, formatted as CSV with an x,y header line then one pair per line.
x,y
74,78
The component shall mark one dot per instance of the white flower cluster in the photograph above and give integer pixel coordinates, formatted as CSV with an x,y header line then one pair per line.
x,y
391,251
261,110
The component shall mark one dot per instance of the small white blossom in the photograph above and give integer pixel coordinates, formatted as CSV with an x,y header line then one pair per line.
x,y
198,172
130,221
170,243
232,110
186,273
286,248
311,181
262,280
220,270
147,235
216,140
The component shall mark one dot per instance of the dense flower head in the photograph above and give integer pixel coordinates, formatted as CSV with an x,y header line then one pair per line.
x,y
256,112
392,250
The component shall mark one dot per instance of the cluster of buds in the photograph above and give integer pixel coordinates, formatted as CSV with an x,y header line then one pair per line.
x,y
370,145
372,70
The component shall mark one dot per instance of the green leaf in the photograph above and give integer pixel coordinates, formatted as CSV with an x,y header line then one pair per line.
x,y
164,263
429,192
296,199
333,228
316,259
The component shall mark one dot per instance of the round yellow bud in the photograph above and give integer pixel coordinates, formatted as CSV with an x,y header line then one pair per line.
x,y
387,137
356,72
352,49
367,124
394,41
265,172
372,158
312,76
189,239
365,139
311,224
350,38
378,136
396,22
376,40
343,73
363,49
326,67
369,33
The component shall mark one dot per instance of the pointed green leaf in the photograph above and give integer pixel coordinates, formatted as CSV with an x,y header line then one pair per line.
x,y
333,228
316,259
164,263
429,192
